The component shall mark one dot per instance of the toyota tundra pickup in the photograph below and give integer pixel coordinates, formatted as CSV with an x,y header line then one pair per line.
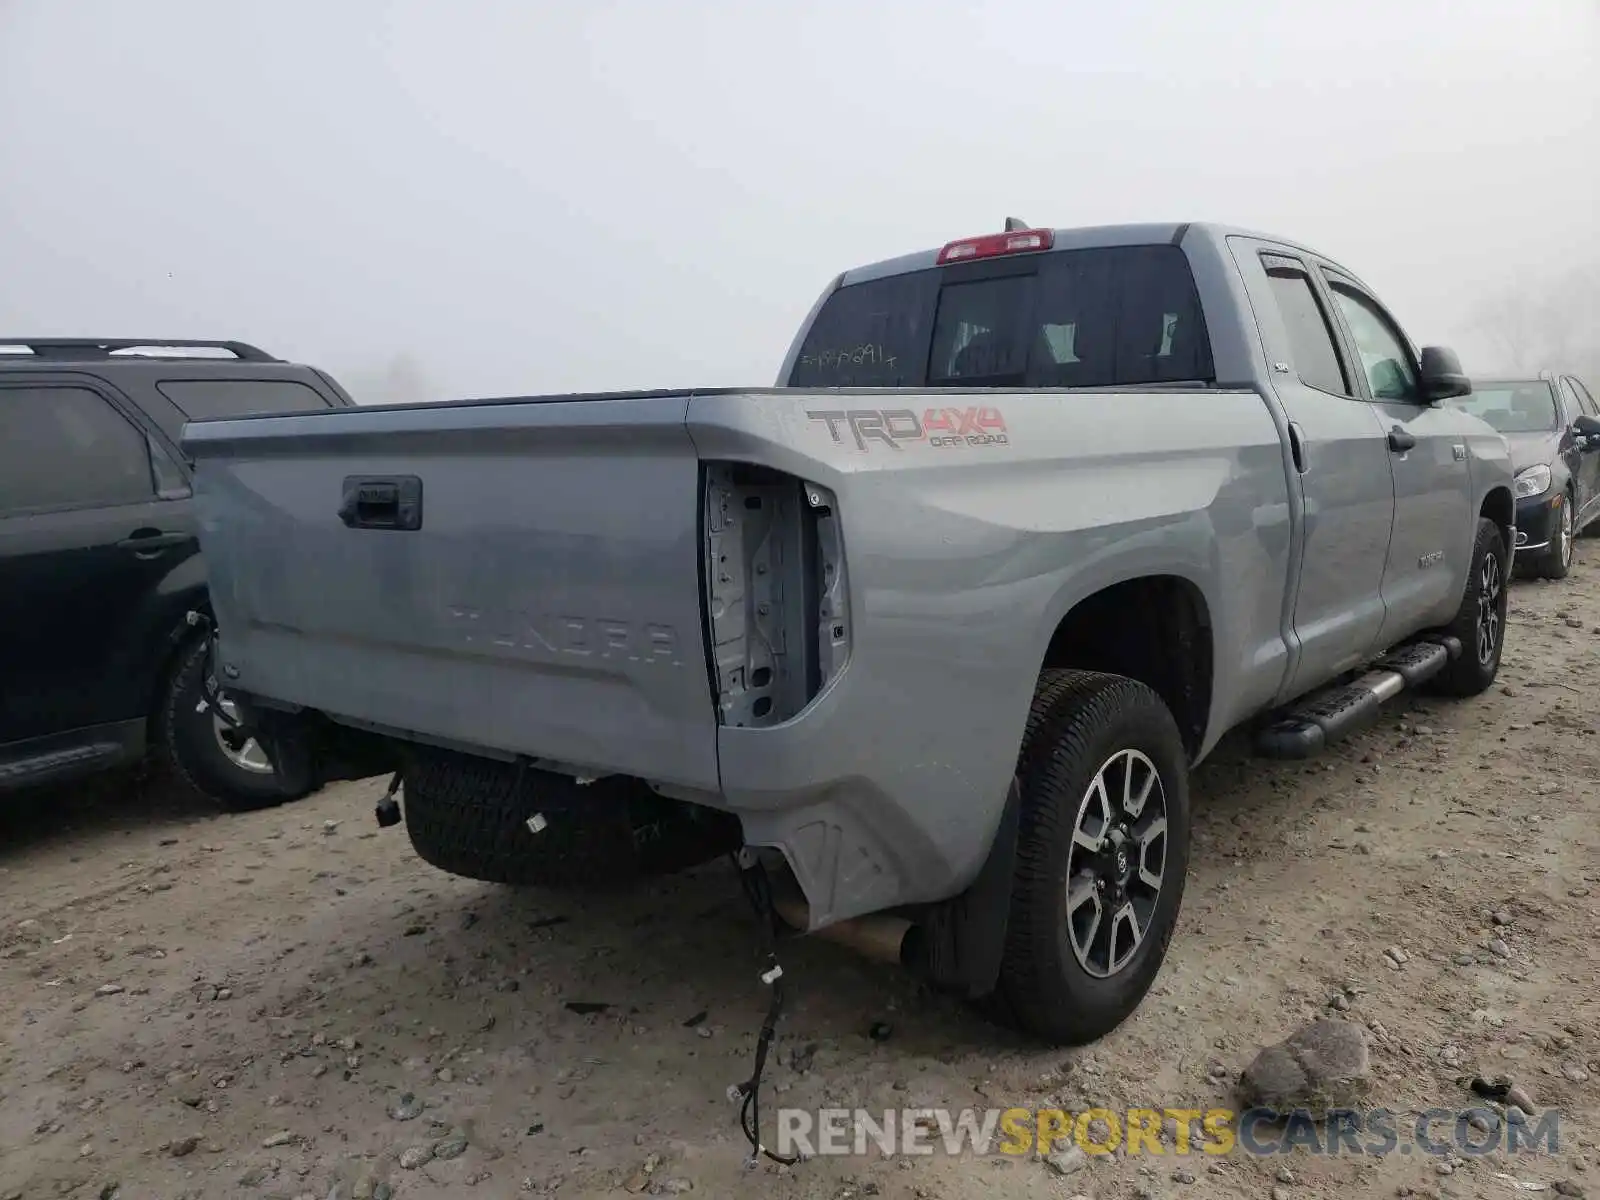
x,y
931,633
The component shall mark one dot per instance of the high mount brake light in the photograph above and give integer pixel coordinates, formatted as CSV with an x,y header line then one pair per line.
x,y
994,245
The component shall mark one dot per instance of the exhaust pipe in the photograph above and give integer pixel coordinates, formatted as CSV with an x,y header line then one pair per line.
x,y
875,936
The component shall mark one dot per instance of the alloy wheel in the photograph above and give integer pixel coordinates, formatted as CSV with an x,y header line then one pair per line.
x,y
1490,586
1116,863
242,751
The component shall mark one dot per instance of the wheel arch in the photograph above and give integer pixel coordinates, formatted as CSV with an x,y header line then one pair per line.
x,y
1156,628
1498,506
179,636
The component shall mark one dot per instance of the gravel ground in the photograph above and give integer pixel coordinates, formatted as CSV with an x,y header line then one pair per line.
x,y
290,1004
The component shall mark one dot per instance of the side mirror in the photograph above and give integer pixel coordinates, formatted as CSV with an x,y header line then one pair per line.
x,y
1588,430
1442,376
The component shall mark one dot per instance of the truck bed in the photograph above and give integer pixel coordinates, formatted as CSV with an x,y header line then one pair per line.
x,y
823,611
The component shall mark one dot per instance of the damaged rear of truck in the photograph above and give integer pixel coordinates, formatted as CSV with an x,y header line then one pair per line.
x,y
931,634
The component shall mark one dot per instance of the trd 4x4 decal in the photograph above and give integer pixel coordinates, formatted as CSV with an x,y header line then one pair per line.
x,y
896,427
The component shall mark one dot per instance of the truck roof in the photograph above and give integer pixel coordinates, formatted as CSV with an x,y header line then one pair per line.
x,y
1085,237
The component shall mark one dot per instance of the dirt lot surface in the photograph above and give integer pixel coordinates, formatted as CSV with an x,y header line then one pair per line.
x,y
198,1006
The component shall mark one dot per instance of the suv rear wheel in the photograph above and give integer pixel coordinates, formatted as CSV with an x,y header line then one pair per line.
x,y
1102,852
232,772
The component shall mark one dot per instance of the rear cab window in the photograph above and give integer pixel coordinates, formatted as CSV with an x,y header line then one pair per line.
x,y
219,399
1104,317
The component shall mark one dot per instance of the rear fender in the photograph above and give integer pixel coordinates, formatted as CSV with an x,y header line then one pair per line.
x,y
962,558
167,628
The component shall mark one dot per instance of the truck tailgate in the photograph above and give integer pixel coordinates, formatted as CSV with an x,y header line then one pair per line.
x,y
546,603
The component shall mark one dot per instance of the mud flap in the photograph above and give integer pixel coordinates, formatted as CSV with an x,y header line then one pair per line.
x,y
958,943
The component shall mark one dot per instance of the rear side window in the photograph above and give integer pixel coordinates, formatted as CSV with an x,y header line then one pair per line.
x,y
1570,400
63,448
1584,398
1310,335
1110,317
215,400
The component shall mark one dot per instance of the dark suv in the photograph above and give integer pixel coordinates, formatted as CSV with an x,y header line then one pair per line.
x,y
99,563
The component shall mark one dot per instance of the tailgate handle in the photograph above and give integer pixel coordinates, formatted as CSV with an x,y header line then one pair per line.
x,y
381,502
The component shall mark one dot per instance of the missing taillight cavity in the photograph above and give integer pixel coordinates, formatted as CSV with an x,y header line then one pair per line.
x,y
776,608
829,597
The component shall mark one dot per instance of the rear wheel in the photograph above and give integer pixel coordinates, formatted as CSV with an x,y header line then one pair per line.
x,y
1102,852
488,820
1480,622
202,748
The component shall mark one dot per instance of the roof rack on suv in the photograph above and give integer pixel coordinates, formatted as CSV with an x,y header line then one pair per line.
x,y
92,348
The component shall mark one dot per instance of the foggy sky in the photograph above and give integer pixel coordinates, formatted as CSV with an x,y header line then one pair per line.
x,y
540,196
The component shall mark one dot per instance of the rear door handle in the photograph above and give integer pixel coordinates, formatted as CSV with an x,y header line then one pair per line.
x,y
1297,446
1400,441
149,543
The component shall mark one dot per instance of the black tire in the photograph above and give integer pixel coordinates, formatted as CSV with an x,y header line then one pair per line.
x,y
469,816
189,743
1081,722
1555,560
1474,672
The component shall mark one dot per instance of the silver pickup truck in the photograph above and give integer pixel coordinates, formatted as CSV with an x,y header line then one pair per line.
x,y
935,629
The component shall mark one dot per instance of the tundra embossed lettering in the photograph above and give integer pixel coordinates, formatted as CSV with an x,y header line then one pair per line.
x,y
555,634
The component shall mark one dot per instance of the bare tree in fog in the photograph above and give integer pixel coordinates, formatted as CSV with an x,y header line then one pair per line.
x,y
402,381
1549,325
